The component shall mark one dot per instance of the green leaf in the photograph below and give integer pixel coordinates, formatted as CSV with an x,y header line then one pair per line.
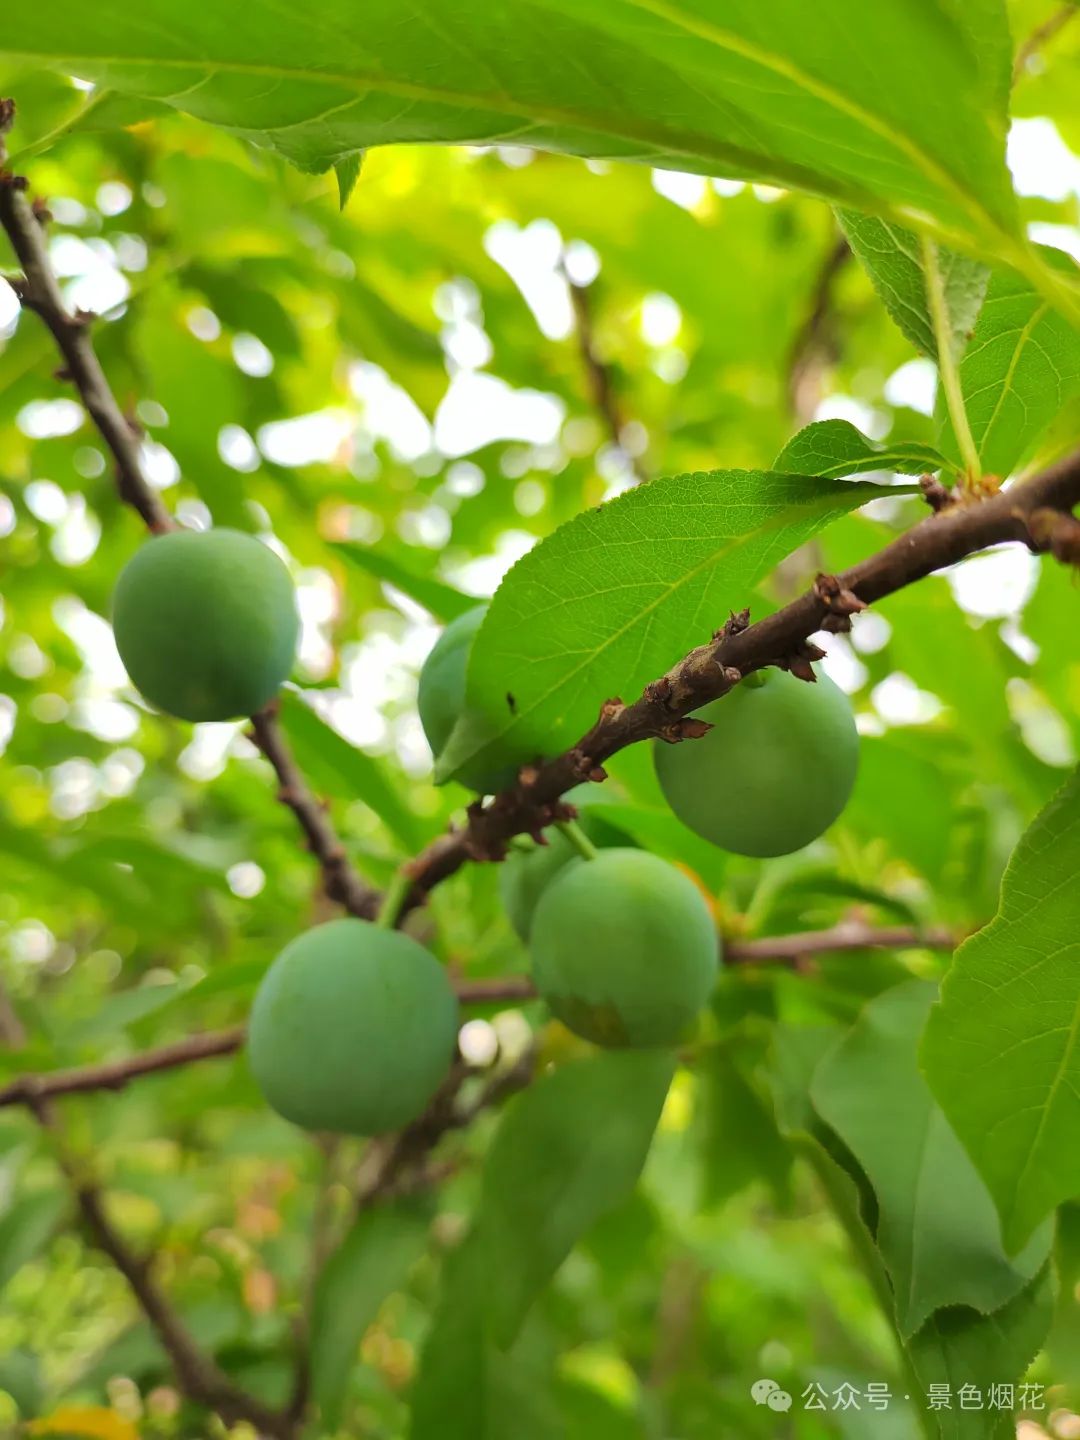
x,y
345,772
835,448
437,598
348,173
467,1388
568,1150
740,1142
613,598
20,1376
372,1260
26,1227
1001,1048
938,1232
958,1347
890,255
1018,372
746,91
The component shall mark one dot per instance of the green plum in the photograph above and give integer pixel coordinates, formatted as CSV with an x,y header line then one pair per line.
x,y
352,1029
775,770
206,623
440,700
624,949
529,868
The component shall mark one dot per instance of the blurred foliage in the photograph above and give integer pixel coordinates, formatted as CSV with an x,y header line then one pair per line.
x,y
398,394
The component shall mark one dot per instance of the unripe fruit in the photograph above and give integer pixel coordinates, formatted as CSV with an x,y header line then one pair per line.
x,y
440,699
352,1029
775,770
206,623
624,949
526,873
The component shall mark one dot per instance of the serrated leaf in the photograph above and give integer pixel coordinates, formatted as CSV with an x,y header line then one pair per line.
x,y
1020,369
347,171
890,255
748,91
613,598
344,771
372,1260
938,1231
437,598
1001,1048
835,448
959,1347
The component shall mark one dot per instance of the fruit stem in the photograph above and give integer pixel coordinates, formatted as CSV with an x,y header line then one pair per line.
x,y
393,900
577,837
755,679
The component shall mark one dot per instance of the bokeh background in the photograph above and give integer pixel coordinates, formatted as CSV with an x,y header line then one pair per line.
x,y
417,388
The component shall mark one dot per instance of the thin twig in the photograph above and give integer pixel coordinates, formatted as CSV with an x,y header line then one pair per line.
x,y
1042,35
390,1165
848,935
509,989
598,374
198,1376
115,1074
40,292
340,881
196,1373
813,341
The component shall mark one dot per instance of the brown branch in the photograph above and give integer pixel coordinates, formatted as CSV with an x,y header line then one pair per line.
x,y
598,373
197,1374
813,341
739,648
39,291
848,935
115,1074
340,881
1042,35
392,1164
769,950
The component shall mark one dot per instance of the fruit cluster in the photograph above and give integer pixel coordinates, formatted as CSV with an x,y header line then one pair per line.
x,y
354,1024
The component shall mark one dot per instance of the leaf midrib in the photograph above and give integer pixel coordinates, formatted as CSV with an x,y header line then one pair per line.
x,y
725,39
732,543
656,138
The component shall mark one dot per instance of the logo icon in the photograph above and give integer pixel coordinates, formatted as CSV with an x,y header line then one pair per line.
x,y
768,1392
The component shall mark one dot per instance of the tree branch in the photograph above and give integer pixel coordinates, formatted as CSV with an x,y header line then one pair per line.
x,y
197,1375
512,989
812,346
116,1074
848,935
340,881
1042,35
1034,512
39,291
391,1164
598,374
